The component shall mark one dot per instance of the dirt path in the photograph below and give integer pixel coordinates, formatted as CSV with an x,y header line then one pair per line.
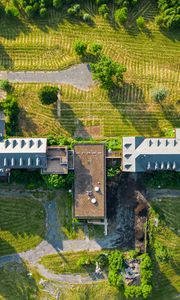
x,y
78,75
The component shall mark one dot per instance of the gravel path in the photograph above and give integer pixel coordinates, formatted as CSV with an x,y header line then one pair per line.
x,y
78,75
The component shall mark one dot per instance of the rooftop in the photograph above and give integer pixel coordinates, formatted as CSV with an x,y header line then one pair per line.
x,y
57,161
142,154
90,181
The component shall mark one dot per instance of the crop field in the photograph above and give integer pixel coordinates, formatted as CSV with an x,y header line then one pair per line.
x,y
22,224
152,61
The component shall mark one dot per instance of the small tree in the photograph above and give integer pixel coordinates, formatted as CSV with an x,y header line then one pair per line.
x,y
29,10
86,17
80,48
107,72
48,94
11,11
121,15
74,10
159,94
95,49
104,11
5,85
140,22
43,12
57,3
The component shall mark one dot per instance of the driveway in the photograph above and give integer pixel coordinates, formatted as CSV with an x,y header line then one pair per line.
x,y
78,75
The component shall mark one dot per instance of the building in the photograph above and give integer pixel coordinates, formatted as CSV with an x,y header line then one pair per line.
x,y
90,181
151,154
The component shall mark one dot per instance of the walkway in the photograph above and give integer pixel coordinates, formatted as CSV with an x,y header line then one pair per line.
x,y
78,75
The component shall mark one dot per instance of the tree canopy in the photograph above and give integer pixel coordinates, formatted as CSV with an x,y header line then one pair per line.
x,y
107,72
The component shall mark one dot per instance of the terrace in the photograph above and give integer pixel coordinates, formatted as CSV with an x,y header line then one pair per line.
x,y
57,161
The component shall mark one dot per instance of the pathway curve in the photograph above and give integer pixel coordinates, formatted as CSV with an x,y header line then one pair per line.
x,y
78,75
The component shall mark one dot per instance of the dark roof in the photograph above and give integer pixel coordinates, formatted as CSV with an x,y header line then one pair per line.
x,y
90,173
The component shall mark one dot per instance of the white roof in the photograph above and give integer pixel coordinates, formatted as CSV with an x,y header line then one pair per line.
x,y
23,145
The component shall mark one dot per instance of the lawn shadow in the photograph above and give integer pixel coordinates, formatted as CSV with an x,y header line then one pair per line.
x,y
26,123
71,123
171,114
6,61
129,100
10,28
16,280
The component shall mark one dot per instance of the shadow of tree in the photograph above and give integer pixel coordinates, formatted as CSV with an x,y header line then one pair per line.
x,y
5,60
71,123
16,283
10,28
26,123
171,114
129,100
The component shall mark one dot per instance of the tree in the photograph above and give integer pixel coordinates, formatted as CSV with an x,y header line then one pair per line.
x,y
104,11
74,10
43,12
140,22
121,15
48,94
80,48
29,10
159,94
54,180
86,17
57,3
107,72
5,85
11,11
11,111
95,49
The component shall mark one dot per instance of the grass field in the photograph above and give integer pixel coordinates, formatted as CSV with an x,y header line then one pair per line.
x,y
67,263
151,58
166,284
22,224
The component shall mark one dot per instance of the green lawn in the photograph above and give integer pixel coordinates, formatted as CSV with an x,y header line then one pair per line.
x,y
67,263
22,224
151,58
166,284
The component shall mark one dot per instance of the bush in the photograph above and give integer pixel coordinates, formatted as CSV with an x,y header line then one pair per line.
x,y
57,3
160,94
43,12
132,291
30,11
11,11
140,22
48,94
107,72
102,260
74,11
86,17
121,15
95,49
83,261
80,48
54,181
103,10
5,85
11,111
161,252
169,17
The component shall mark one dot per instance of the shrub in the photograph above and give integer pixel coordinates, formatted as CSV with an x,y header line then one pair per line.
x,y
43,12
107,72
5,85
102,260
83,261
48,94
54,181
121,15
80,48
57,3
132,291
103,10
146,290
11,11
160,94
140,22
95,49
74,11
30,11
86,17
11,111
161,252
